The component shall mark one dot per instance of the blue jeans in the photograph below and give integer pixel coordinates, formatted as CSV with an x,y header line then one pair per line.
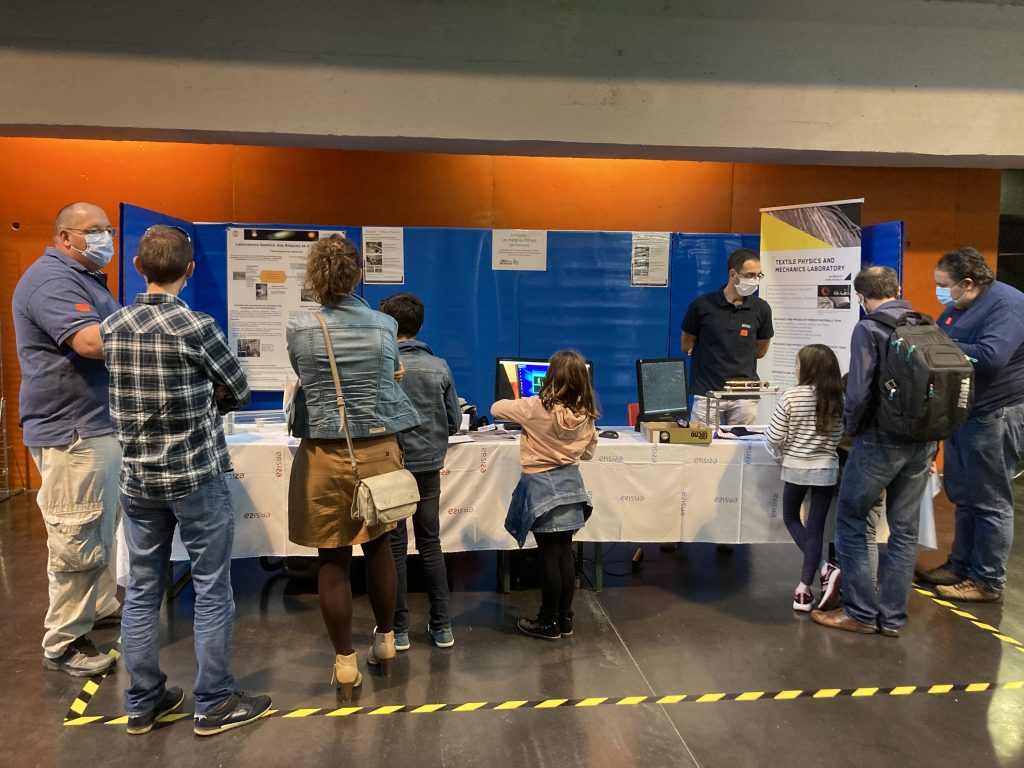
x,y
426,527
207,520
879,463
981,459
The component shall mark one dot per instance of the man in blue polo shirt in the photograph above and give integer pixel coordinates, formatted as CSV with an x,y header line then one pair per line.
x,y
726,332
986,320
58,305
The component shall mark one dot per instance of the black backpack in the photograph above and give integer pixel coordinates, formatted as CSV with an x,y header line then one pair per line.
x,y
926,383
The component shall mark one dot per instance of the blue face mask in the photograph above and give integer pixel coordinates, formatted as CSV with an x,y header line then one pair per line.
x,y
944,295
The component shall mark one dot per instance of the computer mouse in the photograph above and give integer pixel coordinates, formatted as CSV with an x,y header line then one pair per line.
x,y
608,433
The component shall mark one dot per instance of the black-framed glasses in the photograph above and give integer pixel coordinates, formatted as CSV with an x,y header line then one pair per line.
x,y
752,275
112,231
170,226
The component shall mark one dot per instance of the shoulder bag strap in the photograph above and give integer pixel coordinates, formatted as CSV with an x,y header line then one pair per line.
x,y
337,389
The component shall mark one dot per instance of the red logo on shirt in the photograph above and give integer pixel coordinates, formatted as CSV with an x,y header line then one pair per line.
x,y
949,320
83,308
744,332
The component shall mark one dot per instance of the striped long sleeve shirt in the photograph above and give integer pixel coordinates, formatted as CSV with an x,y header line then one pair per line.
x,y
793,437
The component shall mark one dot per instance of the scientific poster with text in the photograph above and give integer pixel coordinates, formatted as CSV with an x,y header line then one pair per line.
x,y
266,269
809,256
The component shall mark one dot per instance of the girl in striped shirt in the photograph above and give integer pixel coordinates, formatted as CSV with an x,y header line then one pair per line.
x,y
804,431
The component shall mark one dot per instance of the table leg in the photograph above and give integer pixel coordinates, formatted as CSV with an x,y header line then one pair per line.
x,y
505,571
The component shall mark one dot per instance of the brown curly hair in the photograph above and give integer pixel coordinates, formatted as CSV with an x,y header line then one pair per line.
x,y
568,383
333,269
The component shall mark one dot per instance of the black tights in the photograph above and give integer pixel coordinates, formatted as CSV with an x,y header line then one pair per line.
x,y
336,589
808,537
558,573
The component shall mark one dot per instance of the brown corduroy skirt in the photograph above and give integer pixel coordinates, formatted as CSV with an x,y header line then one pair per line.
x,y
321,486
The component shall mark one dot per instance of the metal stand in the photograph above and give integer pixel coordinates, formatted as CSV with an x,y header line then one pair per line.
x,y
735,394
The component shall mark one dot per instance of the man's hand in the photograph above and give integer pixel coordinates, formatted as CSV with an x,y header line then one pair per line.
x,y
400,372
220,391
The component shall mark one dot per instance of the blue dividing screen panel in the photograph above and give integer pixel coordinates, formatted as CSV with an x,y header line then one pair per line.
x,y
470,310
584,301
475,314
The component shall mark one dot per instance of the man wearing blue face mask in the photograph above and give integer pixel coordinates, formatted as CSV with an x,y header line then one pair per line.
x,y
58,305
986,320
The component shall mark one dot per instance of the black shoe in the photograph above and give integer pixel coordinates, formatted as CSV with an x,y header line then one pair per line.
x,y
546,630
669,546
889,631
169,704
81,659
565,624
237,710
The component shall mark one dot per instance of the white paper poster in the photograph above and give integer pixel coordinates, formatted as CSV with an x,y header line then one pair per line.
x,y
809,256
265,272
649,261
519,249
383,254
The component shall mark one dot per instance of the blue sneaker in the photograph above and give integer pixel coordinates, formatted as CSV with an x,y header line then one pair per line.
x,y
402,640
442,638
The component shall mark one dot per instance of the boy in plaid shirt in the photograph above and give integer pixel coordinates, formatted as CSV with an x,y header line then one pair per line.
x,y
171,375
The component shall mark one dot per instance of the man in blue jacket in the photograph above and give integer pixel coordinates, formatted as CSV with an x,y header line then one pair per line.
x,y
428,384
986,320
878,463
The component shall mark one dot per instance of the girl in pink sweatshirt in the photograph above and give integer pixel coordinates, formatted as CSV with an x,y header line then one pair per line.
x,y
550,500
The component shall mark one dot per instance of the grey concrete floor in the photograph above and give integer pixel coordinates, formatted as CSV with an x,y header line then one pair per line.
x,y
696,622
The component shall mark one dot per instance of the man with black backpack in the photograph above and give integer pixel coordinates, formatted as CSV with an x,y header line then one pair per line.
x,y
880,461
986,320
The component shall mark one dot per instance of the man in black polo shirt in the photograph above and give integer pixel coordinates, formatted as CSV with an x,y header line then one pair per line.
x,y
725,332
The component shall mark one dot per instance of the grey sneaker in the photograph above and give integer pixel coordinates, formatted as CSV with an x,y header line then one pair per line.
x,y
80,659
442,638
402,640
237,710
941,575
169,704
970,591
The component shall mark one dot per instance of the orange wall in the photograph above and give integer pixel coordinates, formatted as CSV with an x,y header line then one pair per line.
x,y
943,208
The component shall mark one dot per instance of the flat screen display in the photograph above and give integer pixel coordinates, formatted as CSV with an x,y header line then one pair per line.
x,y
661,388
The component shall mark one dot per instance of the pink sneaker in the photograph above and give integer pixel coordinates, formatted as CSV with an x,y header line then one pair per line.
x,y
803,601
829,588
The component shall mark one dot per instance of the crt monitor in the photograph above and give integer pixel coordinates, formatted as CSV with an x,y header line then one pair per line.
x,y
518,377
661,390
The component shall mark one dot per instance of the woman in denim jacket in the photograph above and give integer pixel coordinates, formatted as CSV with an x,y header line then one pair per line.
x,y
550,499
322,480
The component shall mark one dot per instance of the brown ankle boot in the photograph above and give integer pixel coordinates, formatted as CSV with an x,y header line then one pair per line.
x,y
346,675
382,651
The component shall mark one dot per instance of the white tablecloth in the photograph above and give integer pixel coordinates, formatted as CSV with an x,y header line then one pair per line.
x,y
726,492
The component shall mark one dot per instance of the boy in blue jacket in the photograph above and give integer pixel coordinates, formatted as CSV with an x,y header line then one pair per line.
x,y
428,384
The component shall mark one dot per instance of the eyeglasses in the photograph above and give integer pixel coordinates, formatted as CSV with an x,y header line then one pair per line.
x,y
752,275
112,231
169,226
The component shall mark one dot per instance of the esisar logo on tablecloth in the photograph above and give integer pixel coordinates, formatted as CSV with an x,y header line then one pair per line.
x,y
773,506
683,498
256,515
631,499
483,460
459,510
748,453
726,500
236,475
279,464
705,460
611,459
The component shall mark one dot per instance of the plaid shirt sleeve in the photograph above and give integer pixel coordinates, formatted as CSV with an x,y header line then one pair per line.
x,y
222,368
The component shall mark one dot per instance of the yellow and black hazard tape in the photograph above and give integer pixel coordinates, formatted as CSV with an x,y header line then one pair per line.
x,y
957,610
77,709
596,701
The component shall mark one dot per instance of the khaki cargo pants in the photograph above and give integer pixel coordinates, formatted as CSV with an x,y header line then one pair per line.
x,y
78,499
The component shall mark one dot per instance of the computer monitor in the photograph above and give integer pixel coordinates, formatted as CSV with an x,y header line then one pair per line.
x,y
661,390
518,377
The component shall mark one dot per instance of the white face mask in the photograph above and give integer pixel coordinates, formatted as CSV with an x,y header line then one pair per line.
x,y
99,248
747,285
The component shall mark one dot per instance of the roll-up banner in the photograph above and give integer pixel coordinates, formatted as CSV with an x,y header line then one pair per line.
x,y
809,256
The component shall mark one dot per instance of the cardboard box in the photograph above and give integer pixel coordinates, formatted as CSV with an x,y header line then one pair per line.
x,y
670,432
